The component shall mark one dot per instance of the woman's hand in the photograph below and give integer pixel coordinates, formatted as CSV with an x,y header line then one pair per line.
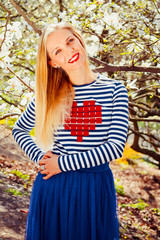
x,y
50,162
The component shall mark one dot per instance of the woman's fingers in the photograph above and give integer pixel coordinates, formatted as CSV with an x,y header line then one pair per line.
x,y
40,168
42,162
49,166
44,172
48,154
48,176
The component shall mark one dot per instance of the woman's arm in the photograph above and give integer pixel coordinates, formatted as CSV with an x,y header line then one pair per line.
x,y
20,132
116,138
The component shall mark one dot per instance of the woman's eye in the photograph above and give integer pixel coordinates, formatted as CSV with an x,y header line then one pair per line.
x,y
70,40
57,51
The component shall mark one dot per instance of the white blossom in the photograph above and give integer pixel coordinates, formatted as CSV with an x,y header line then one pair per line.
x,y
3,106
14,109
4,57
62,15
32,84
76,3
92,45
135,47
15,84
14,30
131,84
97,28
23,101
29,96
1,37
90,8
112,20
145,64
156,47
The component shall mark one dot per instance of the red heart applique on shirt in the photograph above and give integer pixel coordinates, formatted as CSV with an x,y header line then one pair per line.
x,y
83,119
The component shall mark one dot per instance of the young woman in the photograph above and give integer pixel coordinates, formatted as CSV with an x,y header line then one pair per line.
x,y
81,121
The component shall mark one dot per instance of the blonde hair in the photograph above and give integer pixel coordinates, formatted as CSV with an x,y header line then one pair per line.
x,y
54,90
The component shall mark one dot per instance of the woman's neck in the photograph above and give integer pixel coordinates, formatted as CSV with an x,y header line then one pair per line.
x,y
82,76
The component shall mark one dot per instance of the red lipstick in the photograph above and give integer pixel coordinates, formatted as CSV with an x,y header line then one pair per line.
x,y
74,58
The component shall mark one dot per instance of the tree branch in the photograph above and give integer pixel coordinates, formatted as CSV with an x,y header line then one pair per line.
x,y
139,106
8,17
60,5
31,23
21,80
22,66
150,111
146,87
148,152
10,103
136,136
111,68
153,1
9,115
1,5
144,119
140,134
141,96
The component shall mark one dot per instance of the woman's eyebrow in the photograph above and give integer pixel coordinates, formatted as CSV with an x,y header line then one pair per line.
x,y
66,41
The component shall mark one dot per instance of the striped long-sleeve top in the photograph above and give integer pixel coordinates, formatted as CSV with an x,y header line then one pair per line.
x,y
94,134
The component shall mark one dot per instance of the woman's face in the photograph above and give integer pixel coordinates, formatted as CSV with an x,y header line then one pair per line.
x,y
65,50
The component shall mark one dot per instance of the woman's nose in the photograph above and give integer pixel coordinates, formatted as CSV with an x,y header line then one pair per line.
x,y
69,50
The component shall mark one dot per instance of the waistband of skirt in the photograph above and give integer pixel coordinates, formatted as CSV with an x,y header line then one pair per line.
x,y
100,168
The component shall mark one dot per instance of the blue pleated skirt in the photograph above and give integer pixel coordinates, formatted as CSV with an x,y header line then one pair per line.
x,y
75,205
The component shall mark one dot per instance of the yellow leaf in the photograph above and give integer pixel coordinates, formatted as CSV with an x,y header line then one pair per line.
x,y
129,153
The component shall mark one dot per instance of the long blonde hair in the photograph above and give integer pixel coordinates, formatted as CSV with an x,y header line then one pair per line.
x,y
54,90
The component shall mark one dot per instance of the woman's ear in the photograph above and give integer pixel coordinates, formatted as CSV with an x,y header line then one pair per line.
x,y
50,63
53,64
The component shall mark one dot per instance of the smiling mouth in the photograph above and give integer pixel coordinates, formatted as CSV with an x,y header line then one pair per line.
x,y
74,58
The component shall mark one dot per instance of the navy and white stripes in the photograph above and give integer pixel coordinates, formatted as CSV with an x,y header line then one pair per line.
x,y
94,135
21,130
